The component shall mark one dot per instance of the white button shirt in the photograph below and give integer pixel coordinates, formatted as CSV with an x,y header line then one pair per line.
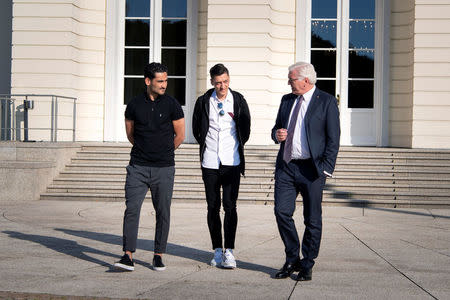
x,y
300,147
221,140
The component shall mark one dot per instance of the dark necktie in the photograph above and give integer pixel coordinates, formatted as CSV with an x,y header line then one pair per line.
x,y
287,154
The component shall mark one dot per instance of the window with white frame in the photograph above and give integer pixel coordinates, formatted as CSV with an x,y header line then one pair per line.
x,y
348,43
361,54
342,49
156,30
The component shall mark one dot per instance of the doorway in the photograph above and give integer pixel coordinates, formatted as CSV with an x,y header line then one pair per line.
x,y
341,39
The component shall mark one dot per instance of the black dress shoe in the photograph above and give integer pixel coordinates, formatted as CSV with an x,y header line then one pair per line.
x,y
304,275
287,270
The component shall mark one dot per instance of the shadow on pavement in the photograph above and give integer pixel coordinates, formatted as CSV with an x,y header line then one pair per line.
x,y
401,211
64,246
73,248
367,204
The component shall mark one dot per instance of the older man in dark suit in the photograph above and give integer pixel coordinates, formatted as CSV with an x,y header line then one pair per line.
x,y
307,128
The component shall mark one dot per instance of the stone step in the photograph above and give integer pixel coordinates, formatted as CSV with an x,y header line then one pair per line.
x,y
343,156
81,162
108,181
121,174
273,153
341,169
186,173
254,188
191,153
376,199
363,176
369,180
378,163
273,149
250,160
251,182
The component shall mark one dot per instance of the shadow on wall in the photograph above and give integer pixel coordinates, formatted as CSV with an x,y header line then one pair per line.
x,y
11,121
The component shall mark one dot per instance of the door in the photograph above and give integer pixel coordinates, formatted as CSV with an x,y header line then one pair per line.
x,y
341,43
150,30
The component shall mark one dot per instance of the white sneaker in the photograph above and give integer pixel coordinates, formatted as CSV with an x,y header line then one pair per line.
x,y
228,261
217,259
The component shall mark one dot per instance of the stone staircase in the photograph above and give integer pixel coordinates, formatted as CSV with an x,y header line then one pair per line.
x,y
364,176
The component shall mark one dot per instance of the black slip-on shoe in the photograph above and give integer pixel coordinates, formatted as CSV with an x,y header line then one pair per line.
x,y
124,264
158,264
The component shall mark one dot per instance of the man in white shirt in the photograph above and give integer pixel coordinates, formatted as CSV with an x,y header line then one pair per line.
x,y
221,126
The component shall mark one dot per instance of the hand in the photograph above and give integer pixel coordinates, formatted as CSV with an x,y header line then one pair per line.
x,y
281,134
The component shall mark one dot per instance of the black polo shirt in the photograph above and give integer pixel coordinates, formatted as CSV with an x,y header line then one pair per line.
x,y
153,130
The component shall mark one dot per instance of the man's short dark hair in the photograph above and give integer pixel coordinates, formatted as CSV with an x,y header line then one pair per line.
x,y
218,70
152,68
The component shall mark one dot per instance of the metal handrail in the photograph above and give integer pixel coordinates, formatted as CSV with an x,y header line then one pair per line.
x,y
54,114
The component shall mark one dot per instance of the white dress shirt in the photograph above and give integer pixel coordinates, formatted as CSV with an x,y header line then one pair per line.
x,y
221,140
300,147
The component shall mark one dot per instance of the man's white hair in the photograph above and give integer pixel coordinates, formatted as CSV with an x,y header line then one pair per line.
x,y
305,70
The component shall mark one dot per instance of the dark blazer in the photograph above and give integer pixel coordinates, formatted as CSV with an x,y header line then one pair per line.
x,y
200,122
322,129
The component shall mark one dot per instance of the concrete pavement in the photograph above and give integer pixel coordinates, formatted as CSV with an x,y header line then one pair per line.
x,y
68,248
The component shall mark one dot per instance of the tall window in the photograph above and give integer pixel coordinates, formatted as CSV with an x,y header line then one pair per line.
x,y
155,30
323,43
342,48
347,41
361,48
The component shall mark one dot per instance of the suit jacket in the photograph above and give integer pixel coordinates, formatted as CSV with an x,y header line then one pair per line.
x,y
322,129
241,117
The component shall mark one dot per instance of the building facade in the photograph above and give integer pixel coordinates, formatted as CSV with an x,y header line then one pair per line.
x,y
386,61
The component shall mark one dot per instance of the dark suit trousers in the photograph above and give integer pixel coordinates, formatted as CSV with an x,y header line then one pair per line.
x,y
227,177
299,176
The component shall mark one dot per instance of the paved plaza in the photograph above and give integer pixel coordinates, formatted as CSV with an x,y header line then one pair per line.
x,y
60,248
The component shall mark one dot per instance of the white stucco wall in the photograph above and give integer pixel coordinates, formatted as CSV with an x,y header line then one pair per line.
x,y
401,72
255,39
58,47
431,108
420,73
202,46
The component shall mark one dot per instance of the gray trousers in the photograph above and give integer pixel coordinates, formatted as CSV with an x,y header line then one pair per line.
x,y
139,180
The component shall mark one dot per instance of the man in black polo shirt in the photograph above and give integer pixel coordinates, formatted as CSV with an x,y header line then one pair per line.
x,y
154,124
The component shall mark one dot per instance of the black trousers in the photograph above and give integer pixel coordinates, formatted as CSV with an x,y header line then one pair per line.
x,y
299,176
227,177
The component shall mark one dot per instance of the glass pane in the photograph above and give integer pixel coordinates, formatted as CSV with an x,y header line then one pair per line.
x,y
361,64
362,34
323,34
176,87
137,32
175,60
174,8
135,61
137,8
328,86
324,62
362,9
132,88
173,33
360,94
324,8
